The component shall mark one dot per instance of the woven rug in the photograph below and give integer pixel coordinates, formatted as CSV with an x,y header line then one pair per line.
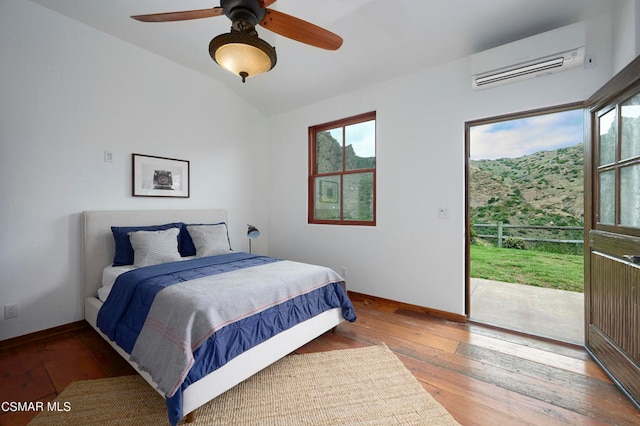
x,y
364,386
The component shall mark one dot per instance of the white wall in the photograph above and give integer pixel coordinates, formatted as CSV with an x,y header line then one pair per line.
x,y
411,255
626,35
67,94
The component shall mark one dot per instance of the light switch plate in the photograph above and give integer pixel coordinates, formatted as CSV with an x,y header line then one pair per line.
x,y
443,213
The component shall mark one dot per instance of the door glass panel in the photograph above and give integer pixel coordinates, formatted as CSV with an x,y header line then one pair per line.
x,y
329,151
607,197
630,126
630,196
327,197
607,124
358,200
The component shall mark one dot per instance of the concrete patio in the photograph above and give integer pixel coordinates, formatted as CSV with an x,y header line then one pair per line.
x,y
550,313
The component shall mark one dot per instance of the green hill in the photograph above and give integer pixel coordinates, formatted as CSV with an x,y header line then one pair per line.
x,y
544,188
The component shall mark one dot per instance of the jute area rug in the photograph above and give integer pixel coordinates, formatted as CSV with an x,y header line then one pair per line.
x,y
364,386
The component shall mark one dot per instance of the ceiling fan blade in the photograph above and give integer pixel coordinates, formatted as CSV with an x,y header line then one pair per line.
x,y
299,30
266,3
180,16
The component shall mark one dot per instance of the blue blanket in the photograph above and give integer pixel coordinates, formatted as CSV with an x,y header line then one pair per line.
x,y
123,315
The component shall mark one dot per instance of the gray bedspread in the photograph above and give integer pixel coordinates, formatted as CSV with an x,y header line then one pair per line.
x,y
185,315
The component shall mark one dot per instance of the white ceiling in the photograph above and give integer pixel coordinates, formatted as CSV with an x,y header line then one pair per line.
x,y
382,39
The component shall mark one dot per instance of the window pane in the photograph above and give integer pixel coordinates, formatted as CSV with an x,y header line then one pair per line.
x,y
630,134
327,197
630,196
360,149
607,197
358,196
608,138
329,151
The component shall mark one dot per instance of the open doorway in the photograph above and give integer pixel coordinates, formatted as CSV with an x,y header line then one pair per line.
x,y
525,219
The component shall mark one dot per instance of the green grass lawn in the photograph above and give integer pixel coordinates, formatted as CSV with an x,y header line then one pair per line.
x,y
537,268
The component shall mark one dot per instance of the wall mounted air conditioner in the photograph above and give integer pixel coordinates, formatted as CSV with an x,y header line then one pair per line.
x,y
543,54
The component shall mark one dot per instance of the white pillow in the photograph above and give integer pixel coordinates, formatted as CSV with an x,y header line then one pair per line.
x,y
154,247
210,240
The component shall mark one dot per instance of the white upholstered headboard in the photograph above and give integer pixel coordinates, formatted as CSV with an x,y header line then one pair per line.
x,y
99,246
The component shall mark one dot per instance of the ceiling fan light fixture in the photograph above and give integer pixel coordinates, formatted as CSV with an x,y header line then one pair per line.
x,y
243,53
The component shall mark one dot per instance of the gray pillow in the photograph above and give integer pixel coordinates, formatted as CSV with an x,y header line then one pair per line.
x,y
155,247
210,240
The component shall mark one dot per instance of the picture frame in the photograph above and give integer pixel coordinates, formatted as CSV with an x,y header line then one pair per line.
x,y
328,191
160,177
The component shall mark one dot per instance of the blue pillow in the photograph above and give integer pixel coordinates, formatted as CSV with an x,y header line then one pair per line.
x,y
124,250
186,246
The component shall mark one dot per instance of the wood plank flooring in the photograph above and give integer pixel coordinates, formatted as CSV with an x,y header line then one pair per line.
x,y
481,375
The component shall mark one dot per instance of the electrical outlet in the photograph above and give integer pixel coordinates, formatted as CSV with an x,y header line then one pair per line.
x,y
344,272
10,311
108,157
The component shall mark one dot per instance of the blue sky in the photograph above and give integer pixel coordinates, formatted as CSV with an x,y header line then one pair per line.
x,y
524,136
362,136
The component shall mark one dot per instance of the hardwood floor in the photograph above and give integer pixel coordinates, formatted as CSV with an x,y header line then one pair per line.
x,y
482,376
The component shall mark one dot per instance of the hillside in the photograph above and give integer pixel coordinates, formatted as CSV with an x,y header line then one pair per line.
x,y
544,188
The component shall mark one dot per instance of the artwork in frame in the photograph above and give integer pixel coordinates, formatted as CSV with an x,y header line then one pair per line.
x,y
160,177
328,191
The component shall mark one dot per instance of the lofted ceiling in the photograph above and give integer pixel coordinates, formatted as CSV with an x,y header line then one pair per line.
x,y
382,39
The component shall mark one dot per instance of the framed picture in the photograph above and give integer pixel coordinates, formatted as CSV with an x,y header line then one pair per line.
x,y
328,191
160,177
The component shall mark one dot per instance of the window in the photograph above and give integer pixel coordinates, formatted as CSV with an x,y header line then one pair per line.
x,y
618,167
342,171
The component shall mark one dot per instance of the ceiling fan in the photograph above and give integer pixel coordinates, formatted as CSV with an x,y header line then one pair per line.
x,y
241,51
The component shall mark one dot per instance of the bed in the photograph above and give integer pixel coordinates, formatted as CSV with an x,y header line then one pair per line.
x,y
239,363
